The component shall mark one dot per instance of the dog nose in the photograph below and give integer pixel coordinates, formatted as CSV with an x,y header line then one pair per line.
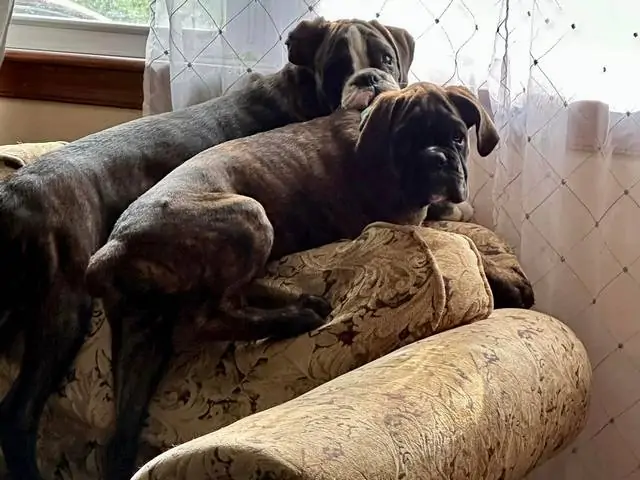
x,y
439,157
366,78
373,79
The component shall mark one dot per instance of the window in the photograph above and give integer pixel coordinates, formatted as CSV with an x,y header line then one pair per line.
x,y
103,27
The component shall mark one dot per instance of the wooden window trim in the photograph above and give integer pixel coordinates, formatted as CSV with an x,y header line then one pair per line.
x,y
72,78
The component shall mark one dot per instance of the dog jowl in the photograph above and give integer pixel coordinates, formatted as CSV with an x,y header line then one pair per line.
x,y
56,212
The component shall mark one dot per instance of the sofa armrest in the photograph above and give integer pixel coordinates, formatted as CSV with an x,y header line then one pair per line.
x,y
484,401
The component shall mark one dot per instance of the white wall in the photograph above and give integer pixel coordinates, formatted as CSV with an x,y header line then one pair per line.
x,y
38,121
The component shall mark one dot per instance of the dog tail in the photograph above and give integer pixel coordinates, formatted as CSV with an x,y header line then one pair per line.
x,y
100,272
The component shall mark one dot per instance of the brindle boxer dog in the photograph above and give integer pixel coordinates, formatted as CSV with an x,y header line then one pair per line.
x,y
59,210
209,227
142,323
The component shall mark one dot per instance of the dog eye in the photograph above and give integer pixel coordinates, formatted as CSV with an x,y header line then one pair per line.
x,y
387,59
459,138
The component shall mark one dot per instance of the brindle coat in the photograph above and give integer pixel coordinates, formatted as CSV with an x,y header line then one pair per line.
x,y
56,212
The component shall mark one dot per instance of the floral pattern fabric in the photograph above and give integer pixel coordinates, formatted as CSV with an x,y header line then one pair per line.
x,y
485,401
390,287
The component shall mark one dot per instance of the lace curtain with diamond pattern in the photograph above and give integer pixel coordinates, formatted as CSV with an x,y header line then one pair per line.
x,y
561,80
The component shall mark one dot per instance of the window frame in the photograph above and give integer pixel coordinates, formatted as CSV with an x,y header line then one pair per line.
x,y
74,61
65,36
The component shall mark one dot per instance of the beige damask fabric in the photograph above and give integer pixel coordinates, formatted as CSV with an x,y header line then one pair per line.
x,y
13,157
485,401
510,286
390,287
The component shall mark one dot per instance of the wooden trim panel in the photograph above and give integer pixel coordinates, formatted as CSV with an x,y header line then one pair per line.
x,y
72,78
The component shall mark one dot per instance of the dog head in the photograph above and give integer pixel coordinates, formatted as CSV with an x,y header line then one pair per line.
x,y
420,136
335,50
365,85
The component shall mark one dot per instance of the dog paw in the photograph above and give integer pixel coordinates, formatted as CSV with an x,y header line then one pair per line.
x,y
452,212
306,320
317,304
510,289
308,313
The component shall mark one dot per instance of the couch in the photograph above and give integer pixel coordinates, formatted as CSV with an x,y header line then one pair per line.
x,y
416,376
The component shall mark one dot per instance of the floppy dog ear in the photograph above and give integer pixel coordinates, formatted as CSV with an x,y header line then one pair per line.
x,y
11,161
404,45
473,113
377,125
304,41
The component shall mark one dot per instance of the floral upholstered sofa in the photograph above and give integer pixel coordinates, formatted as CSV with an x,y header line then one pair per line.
x,y
416,376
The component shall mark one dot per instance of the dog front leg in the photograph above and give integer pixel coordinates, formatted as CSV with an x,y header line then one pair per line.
x,y
452,212
509,285
55,330
141,350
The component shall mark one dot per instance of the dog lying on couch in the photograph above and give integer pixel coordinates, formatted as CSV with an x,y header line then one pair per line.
x,y
56,212
197,238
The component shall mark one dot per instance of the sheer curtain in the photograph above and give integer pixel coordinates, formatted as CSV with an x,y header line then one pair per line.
x,y
6,7
561,80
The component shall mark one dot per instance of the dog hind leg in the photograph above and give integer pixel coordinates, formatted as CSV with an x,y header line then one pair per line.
x,y
144,286
141,341
142,347
10,327
256,311
57,328
246,323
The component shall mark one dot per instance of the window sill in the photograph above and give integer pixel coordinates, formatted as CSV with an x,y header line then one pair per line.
x,y
94,38
72,78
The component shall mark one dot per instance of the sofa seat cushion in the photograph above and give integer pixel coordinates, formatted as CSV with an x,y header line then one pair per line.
x,y
390,287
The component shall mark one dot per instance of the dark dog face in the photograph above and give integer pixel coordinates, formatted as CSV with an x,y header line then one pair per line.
x,y
335,50
420,133
365,85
